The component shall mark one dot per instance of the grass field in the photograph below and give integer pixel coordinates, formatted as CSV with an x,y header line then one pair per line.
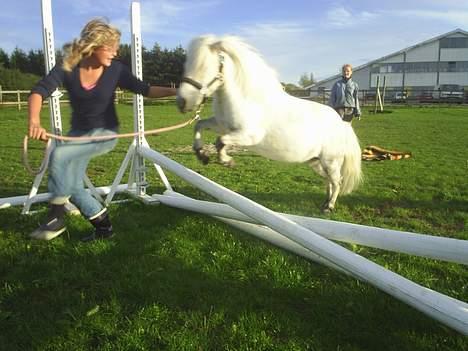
x,y
173,280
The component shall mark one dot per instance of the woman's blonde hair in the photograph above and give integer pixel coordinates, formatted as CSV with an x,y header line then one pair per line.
x,y
96,33
346,65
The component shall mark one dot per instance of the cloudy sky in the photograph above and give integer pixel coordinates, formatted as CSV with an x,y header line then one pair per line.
x,y
294,36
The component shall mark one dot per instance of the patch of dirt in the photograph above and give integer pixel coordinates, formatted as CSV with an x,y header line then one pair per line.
x,y
210,148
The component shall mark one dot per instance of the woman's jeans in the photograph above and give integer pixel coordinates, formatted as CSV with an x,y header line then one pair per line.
x,y
67,169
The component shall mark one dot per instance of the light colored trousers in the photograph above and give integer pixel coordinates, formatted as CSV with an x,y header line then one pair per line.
x,y
346,113
67,169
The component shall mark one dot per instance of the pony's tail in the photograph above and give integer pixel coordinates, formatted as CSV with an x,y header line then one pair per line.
x,y
351,168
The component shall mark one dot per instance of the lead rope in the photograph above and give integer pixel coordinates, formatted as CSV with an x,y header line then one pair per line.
x,y
45,161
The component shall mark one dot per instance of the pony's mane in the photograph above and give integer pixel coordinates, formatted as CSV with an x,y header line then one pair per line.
x,y
252,74
198,51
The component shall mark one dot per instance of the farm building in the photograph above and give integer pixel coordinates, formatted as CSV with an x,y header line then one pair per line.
x,y
432,65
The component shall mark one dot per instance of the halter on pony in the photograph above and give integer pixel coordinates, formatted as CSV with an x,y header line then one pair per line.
x,y
204,90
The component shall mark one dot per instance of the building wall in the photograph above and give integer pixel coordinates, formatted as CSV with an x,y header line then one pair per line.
x,y
454,54
395,58
421,79
392,80
460,78
425,53
423,66
362,78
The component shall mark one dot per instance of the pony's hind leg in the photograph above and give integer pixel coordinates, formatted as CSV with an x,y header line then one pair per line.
x,y
331,173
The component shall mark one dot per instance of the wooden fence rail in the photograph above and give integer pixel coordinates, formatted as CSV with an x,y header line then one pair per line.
x,y
19,98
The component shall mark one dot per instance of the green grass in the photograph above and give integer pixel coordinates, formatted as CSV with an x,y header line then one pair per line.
x,y
174,280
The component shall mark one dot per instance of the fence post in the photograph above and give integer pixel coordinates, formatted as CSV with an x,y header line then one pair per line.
x,y
18,94
1,95
377,94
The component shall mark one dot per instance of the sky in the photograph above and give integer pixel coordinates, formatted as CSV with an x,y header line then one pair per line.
x,y
295,37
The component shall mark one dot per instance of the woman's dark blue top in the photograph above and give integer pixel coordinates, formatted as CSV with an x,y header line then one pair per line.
x,y
92,108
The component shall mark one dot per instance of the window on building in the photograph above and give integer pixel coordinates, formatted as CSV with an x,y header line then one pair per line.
x,y
454,43
462,66
420,67
453,66
387,68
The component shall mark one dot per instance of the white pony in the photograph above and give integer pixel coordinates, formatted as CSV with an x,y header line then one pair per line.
x,y
252,110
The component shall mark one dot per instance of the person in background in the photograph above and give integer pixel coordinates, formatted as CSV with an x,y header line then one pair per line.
x,y
344,96
90,74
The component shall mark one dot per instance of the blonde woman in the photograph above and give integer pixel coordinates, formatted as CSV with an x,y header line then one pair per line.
x,y
90,75
344,95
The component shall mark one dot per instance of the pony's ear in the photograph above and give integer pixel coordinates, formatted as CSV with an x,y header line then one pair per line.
x,y
230,45
225,44
206,39
201,41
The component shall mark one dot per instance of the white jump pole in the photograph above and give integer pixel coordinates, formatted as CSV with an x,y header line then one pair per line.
x,y
138,107
443,308
43,197
264,233
275,238
441,248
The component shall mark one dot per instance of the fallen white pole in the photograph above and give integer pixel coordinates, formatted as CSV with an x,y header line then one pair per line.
x,y
443,308
447,249
20,200
261,232
269,235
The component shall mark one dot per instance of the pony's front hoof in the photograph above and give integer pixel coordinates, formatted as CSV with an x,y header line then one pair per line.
x,y
327,209
219,144
231,163
203,156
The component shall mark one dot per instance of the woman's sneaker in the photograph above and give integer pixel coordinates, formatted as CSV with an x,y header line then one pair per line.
x,y
102,225
54,225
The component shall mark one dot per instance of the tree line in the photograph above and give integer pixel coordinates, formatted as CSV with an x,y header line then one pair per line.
x,y
21,70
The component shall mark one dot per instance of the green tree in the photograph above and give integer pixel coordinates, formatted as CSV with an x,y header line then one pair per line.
x,y
19,60
13,79
163,66
4,59
306,79
125,54
36,64
58,58
160,66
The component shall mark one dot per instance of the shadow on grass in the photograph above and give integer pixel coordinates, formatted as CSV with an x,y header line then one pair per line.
x,y
89,296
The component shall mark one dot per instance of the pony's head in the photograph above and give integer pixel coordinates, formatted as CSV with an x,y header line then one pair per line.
x,y
202,73
212,62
